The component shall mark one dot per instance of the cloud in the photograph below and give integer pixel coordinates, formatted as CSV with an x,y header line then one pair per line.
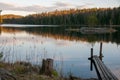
x,y
38,8
5,6
35,8
86,5
61,4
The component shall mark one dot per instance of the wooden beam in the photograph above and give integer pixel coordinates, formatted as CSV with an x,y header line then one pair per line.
x,y
103,72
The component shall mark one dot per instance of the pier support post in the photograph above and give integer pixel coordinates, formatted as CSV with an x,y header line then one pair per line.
x,y
100,54
91,62
91,66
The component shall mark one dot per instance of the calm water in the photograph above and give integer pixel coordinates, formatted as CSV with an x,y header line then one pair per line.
x,y
70,50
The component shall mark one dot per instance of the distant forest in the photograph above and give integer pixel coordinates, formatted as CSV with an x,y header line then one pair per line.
x,y
94,16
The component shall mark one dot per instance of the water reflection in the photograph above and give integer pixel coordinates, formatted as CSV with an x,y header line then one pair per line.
x,y
70,50
61,33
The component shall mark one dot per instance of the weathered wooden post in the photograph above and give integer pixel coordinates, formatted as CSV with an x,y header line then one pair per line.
x,y
91,52
91,66
100,54
47,67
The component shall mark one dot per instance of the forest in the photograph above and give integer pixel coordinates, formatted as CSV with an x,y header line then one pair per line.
x,y
94,16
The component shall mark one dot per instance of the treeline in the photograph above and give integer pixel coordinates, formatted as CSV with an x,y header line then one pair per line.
x,y
94,16
11,16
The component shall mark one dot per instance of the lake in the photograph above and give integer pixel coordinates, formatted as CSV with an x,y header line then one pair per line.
x,y
69,49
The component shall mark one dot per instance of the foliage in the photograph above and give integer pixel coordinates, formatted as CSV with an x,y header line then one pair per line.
x,y
11,16
102,16
92,20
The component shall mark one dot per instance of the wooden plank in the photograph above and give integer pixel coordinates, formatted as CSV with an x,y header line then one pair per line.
x,y
102,68
99,72
105,70
109,73
102,71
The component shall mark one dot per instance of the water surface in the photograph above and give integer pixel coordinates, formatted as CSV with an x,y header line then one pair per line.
x,y
70,50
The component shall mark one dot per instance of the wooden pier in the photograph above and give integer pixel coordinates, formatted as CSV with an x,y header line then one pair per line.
x,y
103,72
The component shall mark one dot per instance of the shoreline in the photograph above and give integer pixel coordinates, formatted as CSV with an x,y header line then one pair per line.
x,y
26,71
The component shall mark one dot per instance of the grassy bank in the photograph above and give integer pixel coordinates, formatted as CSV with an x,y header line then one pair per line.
x,y
26,71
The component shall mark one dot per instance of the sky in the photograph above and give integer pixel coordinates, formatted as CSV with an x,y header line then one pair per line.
x,y
25,7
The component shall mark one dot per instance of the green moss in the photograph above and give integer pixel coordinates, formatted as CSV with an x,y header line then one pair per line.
x,y
54,73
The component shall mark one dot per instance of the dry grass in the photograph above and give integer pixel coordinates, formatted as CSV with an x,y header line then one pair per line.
x,y
25,71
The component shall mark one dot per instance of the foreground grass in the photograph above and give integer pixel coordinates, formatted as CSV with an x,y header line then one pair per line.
x,y
26,71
